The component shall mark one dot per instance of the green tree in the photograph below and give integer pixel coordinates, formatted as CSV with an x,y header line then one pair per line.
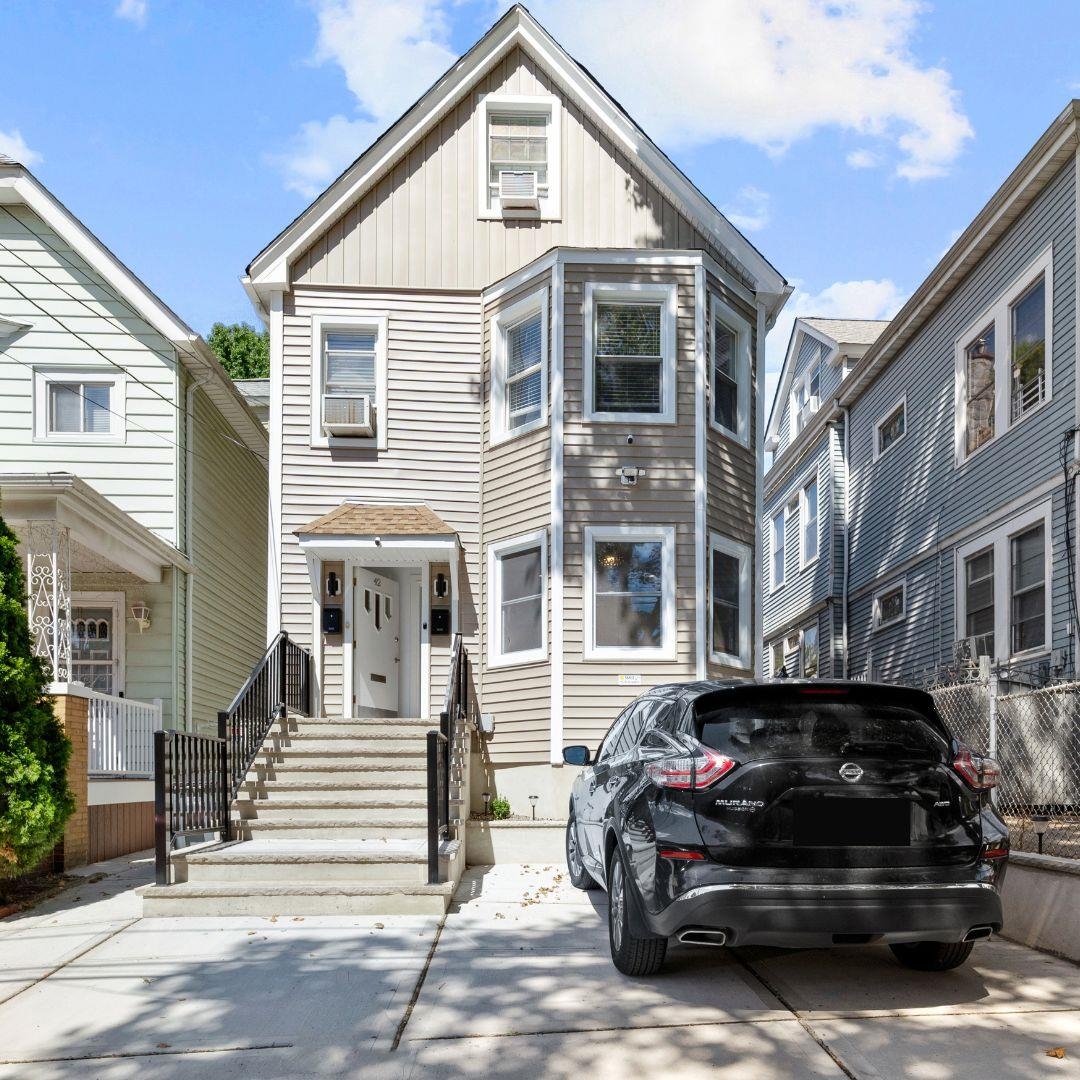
x,y
244,352
35,801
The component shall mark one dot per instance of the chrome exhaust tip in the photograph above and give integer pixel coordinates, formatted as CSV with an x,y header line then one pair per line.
x,y
976,933
702,937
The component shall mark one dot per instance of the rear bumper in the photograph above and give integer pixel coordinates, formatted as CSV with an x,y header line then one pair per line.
x,y
817,915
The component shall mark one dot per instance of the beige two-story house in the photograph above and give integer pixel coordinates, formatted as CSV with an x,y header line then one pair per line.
x,y
514,397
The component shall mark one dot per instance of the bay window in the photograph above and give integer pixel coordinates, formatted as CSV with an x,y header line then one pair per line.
x,y
729,601
519,368
729,344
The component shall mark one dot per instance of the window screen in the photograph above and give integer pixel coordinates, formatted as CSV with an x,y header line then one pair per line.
x,y
80,408
524,371
521,607
629,359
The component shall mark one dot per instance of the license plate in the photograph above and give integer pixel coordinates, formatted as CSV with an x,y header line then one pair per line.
x,y
833,821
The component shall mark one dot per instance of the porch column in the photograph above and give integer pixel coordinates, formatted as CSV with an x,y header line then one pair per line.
x,y
48,579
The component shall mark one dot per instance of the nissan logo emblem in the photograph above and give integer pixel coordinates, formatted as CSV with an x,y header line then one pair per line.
x,y
851,772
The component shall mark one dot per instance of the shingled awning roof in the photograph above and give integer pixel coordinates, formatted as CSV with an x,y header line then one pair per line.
x,y
366,519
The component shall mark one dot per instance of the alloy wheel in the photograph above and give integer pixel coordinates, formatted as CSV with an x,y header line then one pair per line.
x,y
618,905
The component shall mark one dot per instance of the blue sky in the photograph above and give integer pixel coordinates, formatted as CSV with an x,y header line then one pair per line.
x,y
851,141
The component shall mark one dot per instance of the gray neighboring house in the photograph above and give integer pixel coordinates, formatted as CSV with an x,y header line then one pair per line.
x,y
953,442
803,501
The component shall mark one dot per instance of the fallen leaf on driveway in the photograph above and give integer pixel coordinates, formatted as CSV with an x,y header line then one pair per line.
x,y
298,918
1056,1051
251,933
163,1046
380,926
273,918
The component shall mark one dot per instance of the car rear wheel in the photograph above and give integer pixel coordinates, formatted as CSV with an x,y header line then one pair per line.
x,y
932,955
631,955
580,878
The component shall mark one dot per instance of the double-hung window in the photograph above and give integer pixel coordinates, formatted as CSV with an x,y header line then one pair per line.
x,y
79,405
1003,359
777,546
808,519
730,371
729,602
348,381
519,156
519,368
808,652
778,658
517,600
890,429
890,605
630,353
630,592
1003,598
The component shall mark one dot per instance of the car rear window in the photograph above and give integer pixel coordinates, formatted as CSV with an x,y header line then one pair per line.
x,y
814,724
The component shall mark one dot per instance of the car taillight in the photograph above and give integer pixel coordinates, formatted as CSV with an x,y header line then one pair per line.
x,y
978,772
690,773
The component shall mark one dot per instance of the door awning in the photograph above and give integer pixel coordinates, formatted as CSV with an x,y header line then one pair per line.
x,y
379,534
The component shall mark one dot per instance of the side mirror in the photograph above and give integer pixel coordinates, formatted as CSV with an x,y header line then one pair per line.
x,y
576,755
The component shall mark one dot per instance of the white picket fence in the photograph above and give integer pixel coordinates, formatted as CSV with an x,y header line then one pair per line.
x,y
121,735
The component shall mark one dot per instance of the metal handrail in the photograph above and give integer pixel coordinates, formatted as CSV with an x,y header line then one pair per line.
x,y
440,748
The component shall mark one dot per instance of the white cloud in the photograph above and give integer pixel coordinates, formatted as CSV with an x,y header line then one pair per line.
x,y
133,11
750,209
14,146
841,300
774,73
390,53
863,159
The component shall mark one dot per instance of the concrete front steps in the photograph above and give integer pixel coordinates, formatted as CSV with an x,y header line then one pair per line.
x,y
330,820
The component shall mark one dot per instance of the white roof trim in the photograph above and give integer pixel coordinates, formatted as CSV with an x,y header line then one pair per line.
x,y
389,551
799,330
12,326
270,268
19,186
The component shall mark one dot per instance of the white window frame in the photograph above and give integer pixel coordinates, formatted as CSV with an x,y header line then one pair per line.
x,y
804,520
44,377
632,293
496,551
802,645
999,315
883,624
739,326
775,584
500,326
777,668
118,602
320,326
530,104
668,588
999,538
743,554
885,417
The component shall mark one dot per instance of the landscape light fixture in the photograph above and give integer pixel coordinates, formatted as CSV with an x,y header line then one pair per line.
x,y
487,803
1040,822
533,799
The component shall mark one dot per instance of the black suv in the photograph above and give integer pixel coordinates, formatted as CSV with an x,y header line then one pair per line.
x,y
788,813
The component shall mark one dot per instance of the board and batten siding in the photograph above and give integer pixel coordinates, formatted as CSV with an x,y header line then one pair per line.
x,y
593,495
433,415
515,486
915,494
229,527
74,314
730,471
418,226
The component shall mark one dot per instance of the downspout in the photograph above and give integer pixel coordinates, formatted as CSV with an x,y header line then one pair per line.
x,y
1073,628
189,542
844,673
759,484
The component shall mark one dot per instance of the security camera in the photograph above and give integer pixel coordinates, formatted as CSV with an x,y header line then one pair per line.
x,y
629,440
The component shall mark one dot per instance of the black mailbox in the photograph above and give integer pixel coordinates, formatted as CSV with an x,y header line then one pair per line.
x,y
440,620
331,620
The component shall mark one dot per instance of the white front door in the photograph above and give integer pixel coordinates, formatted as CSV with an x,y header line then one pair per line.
x,y
377,642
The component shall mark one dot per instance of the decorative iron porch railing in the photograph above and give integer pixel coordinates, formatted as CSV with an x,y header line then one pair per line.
x,y
440,751
196,777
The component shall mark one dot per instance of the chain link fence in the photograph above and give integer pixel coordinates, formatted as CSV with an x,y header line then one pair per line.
x,y
1030,722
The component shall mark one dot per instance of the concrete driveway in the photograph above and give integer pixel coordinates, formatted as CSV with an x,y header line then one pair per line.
x,y
516,982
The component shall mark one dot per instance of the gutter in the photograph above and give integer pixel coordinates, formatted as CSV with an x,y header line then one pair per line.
x,y
759,496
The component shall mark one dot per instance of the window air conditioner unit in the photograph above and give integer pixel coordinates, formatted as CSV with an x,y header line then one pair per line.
x,y
348,414
518,190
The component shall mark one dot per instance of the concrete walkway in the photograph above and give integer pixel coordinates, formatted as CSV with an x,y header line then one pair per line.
x,y
515,982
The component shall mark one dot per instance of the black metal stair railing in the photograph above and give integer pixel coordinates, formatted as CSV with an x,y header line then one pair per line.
x,y
440,745
196,777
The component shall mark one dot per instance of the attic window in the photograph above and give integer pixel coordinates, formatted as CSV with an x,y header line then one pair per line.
x,y
519,156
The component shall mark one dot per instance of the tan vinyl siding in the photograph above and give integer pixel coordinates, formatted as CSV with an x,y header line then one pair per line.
x,y
78,321
433,455
593,495
418,227
516,486
229,523
730,472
